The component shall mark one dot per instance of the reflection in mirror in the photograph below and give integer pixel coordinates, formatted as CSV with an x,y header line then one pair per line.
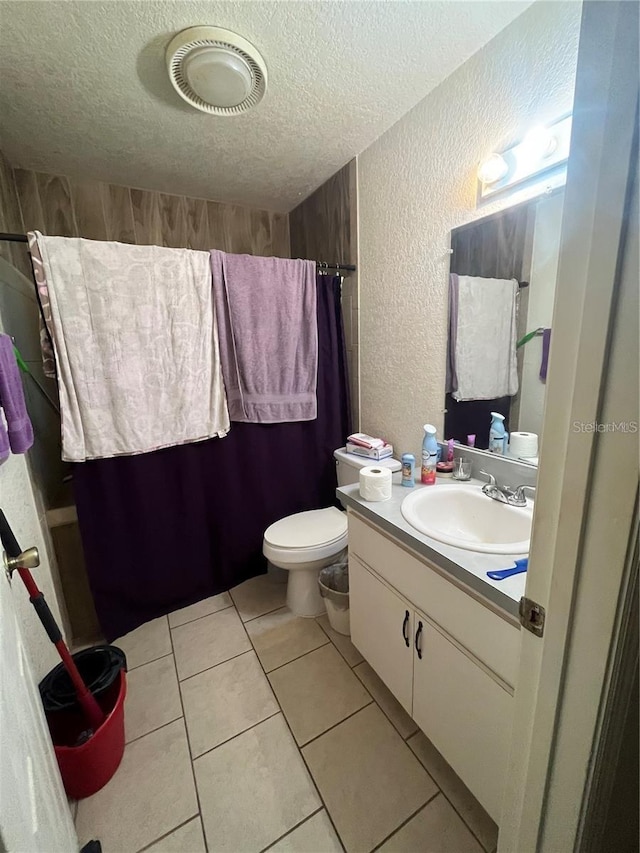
x,y
501,295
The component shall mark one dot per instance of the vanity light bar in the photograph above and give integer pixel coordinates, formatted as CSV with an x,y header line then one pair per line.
x,y
543,151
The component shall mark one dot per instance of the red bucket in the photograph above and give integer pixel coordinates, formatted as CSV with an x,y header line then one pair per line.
x,y
88,767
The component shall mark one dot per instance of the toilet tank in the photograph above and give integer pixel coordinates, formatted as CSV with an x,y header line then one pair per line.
x,y
348,466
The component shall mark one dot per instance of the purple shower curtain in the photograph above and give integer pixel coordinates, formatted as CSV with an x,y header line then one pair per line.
x,y
166,529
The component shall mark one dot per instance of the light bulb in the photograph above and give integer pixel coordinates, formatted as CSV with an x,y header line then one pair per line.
x,y
492,169
539,143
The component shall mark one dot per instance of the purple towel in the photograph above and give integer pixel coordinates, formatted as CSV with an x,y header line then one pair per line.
x,y
19,429
268,330
546,343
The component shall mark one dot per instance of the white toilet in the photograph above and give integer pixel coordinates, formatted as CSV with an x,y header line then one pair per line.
x,y
306,542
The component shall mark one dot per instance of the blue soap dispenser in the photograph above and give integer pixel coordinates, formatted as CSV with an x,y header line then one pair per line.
x,y
498,436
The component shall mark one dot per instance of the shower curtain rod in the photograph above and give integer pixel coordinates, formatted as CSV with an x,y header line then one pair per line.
x,y
320,265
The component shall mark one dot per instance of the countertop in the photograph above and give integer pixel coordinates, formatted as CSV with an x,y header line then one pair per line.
x,y
468,567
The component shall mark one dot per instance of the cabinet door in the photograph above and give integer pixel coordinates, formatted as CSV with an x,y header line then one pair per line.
x,y
382,630
464,712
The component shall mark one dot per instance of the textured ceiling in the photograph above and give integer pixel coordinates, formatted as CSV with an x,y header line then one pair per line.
x,y
84,91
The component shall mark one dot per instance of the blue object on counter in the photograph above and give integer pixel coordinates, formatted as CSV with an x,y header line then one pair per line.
x,y
408,463
430,450
520,566
498,436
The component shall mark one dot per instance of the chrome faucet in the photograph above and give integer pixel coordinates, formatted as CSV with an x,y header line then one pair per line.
x,y
518,498
505,494
494,491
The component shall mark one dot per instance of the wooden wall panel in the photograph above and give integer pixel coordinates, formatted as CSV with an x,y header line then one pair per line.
x,y
29,198
197,224
86,199
146,217
57,210
280,235
11,221
58,205
324,228
173,220
321,227
118,214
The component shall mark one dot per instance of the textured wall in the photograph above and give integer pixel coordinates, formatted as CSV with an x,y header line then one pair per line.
x,y
325,228
417,182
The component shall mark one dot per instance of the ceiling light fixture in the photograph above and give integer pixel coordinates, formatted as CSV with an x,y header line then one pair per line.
x,y
216,71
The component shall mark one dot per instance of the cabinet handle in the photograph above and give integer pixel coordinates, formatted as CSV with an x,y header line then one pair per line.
x,y
405,625
418,635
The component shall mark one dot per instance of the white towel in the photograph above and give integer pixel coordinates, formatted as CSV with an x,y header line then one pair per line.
x,y
136,347
485,349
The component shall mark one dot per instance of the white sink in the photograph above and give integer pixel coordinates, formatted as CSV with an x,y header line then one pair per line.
x,y
465,517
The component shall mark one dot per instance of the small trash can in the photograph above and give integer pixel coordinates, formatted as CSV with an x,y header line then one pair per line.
x,y
334,588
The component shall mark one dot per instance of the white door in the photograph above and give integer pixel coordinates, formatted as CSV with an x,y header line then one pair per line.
x,y
580,562
464,712
34,816
382,630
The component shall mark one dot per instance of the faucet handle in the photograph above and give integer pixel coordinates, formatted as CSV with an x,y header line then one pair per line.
x,y
492,479
518,492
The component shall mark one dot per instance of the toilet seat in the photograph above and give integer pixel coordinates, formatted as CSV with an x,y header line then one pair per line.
x,y
306,536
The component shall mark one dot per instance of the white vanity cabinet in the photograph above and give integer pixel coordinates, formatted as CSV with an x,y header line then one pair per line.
x,y
382,628
449,659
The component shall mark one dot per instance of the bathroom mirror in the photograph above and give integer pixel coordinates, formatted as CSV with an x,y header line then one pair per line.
x,y
499,331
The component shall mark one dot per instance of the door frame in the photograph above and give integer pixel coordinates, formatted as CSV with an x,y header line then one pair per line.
x,y
588,480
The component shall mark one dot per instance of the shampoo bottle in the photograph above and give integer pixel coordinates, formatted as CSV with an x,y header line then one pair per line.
x,y
429,455
498,436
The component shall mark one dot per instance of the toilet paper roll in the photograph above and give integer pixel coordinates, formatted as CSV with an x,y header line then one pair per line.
x,y
375,483
523,444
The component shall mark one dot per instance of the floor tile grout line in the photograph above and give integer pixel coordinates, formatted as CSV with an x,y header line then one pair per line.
x,y
405,822
197,618
237,734
405,739
140,665
310,774
260,615
152,731
162,837
337,648
303,655
459,813
302,746
450,801
220,663
186,732
293,829
353,667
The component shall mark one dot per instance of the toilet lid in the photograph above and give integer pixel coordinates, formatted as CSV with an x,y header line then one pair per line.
x,y
308,529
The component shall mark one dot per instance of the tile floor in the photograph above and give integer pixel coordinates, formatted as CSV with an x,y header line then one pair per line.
x,y
249,730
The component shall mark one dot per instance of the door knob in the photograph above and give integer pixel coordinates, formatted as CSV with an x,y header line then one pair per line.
x,y
29,559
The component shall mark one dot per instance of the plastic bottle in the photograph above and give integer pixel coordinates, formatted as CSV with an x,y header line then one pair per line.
x,y
429,455
498,437
408,461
